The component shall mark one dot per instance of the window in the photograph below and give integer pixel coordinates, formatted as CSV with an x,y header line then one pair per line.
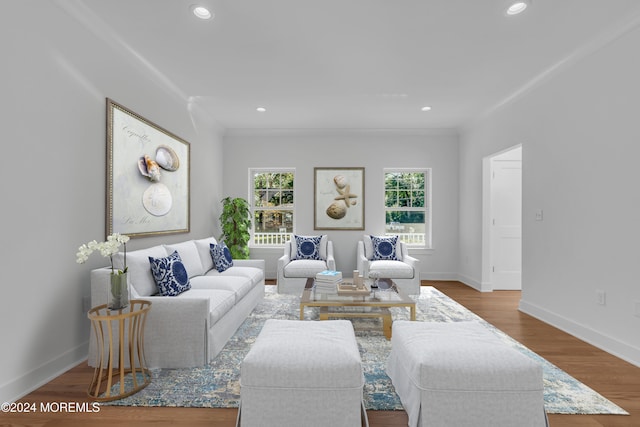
x,y
407,205
272,206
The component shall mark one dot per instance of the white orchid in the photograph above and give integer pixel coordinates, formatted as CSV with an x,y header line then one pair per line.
x,y
107,249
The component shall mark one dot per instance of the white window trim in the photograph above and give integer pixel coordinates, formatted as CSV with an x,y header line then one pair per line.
x,y
428,241
253,171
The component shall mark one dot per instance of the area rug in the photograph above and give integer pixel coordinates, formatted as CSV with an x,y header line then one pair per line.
x,y
217,384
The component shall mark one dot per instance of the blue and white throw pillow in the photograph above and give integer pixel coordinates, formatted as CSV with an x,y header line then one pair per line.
x,y
170,275
221,256
384,248
307,247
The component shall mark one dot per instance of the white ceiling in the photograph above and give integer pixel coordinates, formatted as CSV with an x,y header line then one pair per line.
x,y
354,63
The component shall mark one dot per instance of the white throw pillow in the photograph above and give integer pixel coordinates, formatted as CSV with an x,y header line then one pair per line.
x,y
323,246
368,246
140,275
204,251
189,256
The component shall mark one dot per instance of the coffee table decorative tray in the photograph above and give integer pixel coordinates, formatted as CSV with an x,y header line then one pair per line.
x,y
350,288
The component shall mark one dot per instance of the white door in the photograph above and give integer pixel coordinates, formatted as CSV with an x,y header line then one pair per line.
x,y
506,222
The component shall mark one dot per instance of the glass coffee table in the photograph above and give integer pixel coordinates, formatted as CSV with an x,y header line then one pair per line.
x,y
378,299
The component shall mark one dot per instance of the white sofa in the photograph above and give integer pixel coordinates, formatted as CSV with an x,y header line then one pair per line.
x,y
191,328
404,271
293,273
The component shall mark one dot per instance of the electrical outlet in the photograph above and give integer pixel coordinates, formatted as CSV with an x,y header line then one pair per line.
x,y
539,215
601,297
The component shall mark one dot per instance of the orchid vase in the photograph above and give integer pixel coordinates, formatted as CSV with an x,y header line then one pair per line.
x,y
118,291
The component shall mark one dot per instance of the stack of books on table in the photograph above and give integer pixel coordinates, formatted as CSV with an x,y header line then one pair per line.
x,y
327,280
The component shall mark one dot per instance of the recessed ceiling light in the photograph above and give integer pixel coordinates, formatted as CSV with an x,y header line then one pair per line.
x,y
517,7
201,12
261,109
426,108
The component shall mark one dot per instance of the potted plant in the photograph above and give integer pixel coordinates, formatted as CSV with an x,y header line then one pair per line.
x,y
236,225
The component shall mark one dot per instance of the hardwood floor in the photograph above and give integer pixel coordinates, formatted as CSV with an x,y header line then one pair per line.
x,y
617,380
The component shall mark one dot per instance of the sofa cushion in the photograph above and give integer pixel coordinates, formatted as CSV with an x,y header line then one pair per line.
x,y
220,301
290,354
384,247
304,268
309,247
391,269
189,255
170,275
240,286
463,356
140,275
462,374
221,256
204,250
255,275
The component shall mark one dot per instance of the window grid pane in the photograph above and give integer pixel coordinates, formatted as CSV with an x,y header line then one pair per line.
x,y
405,206
273,207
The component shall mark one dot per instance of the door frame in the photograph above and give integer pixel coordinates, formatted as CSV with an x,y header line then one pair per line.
x,y
486,284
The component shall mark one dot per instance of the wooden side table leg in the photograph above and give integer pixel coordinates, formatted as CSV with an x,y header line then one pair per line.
x,y
324,313
121,360
96,382
387,323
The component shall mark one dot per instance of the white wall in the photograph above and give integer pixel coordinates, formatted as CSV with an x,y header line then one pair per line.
x,y
580,141
373,150
52,116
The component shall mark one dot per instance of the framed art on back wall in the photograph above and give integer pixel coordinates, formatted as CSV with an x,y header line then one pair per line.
x,y
339,198
148,175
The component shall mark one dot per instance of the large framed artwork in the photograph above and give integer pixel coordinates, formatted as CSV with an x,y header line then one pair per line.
x,y
339,199
148,172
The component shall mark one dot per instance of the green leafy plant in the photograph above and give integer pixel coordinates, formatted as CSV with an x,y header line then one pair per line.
x,y
236,224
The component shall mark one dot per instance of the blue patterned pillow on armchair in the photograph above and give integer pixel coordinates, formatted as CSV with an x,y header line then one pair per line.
x,y
308,247
385,248
170,275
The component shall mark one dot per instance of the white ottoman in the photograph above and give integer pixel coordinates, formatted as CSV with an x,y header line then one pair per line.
x,y
302,373
460,374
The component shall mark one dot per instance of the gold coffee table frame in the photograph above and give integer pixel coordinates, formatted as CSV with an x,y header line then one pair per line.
x,y
388,295
121,331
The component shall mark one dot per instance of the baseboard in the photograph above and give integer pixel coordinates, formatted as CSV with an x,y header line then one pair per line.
x,y
610,345
434,275
469,281
25,384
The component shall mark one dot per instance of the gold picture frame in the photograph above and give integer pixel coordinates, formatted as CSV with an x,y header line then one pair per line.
x,y
339,198
148,176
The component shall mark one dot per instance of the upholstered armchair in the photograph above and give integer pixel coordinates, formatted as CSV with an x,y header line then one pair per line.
x,y
304,256
388,257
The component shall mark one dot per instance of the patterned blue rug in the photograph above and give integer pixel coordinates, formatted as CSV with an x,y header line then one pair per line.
x,y
217,384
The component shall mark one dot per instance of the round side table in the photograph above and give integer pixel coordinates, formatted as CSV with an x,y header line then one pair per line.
x,y
120,339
